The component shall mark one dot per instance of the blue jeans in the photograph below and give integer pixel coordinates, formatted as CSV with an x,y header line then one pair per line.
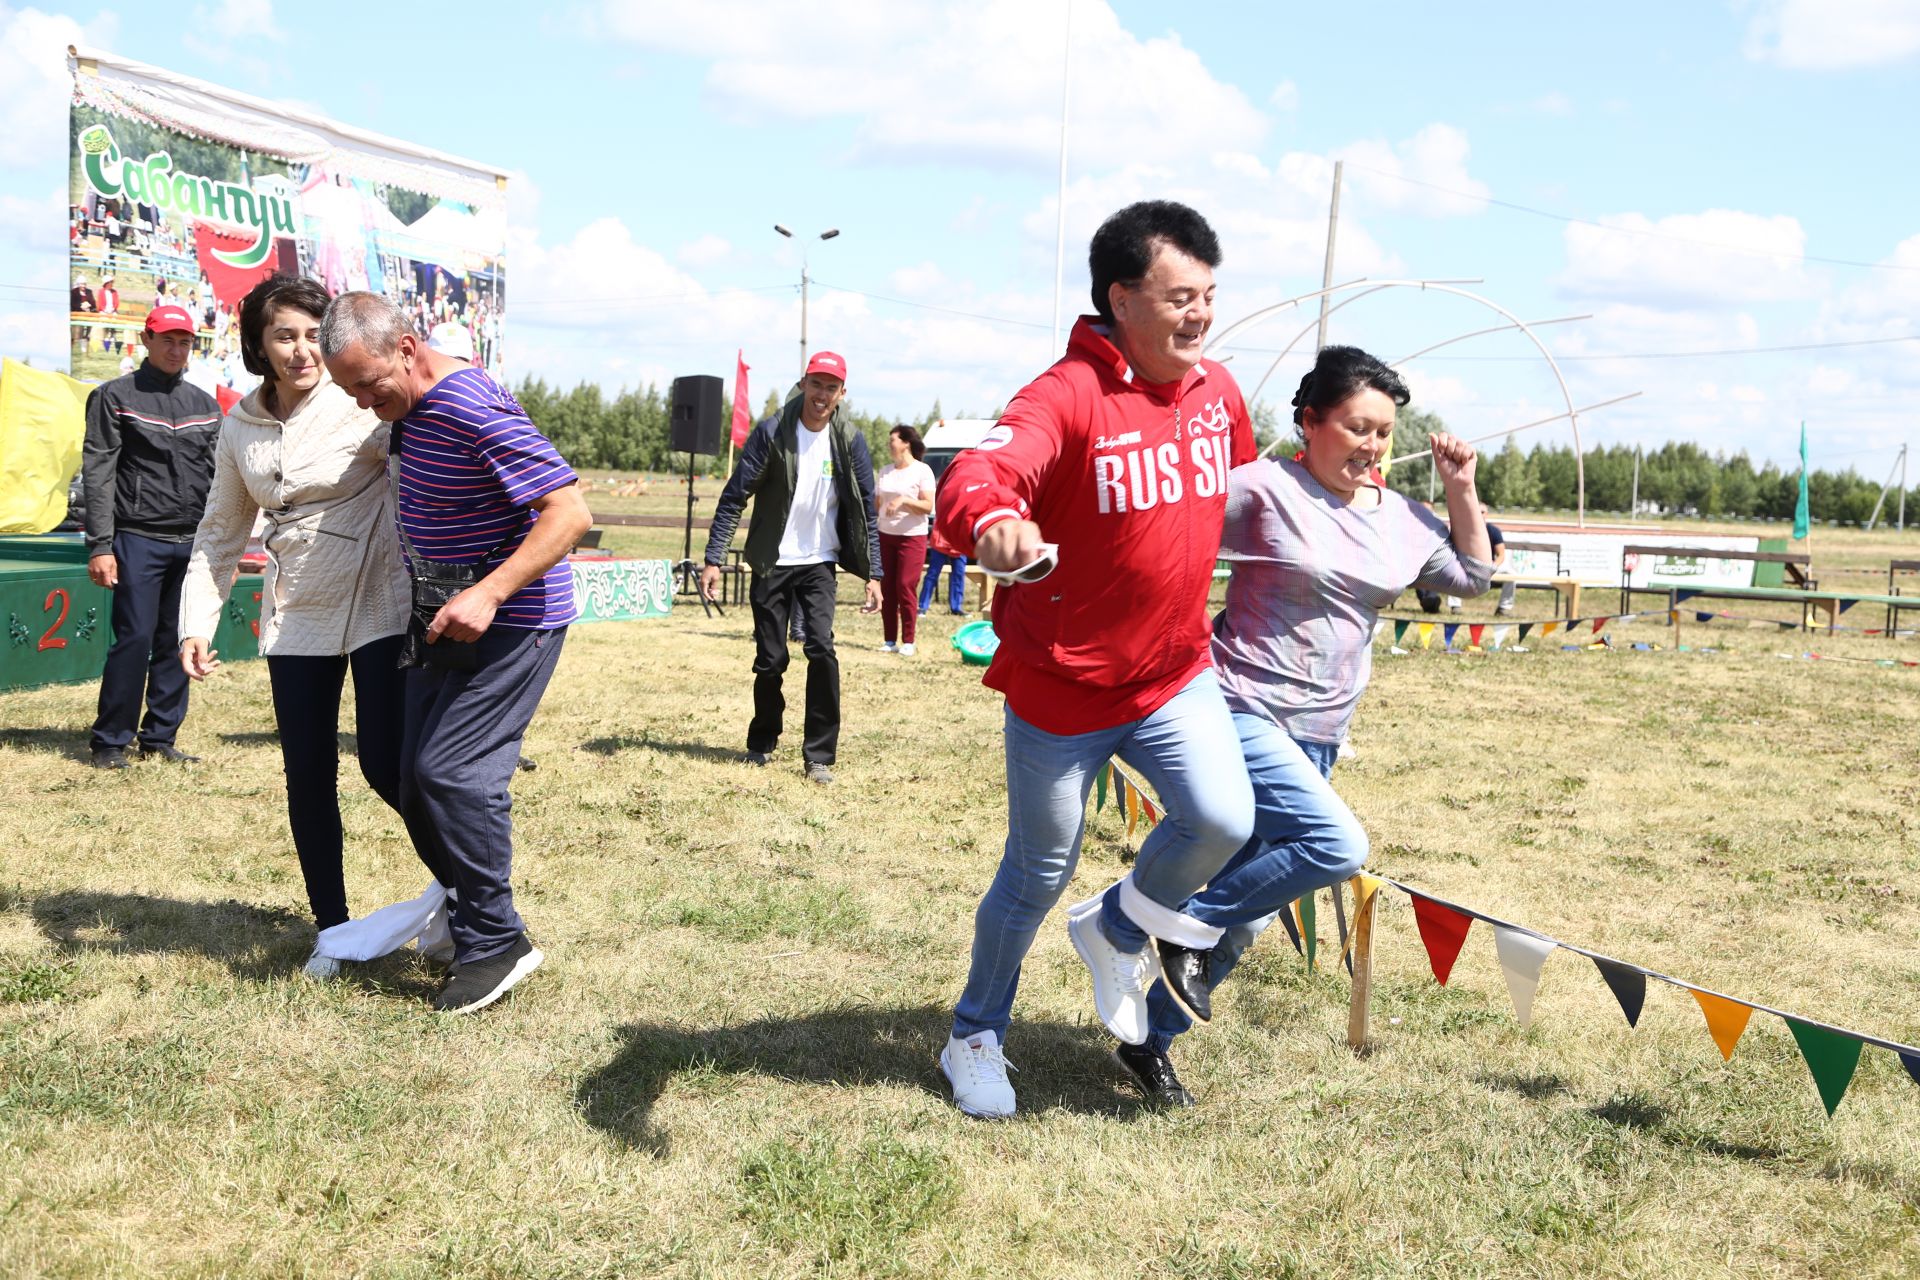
x,y
143,663
1186,750
1304,838
956,580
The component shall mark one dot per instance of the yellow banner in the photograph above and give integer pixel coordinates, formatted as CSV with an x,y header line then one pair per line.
x,y
42,423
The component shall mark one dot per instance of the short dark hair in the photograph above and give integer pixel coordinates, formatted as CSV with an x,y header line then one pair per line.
x,y
911,435
257,308
1340,372
1124,246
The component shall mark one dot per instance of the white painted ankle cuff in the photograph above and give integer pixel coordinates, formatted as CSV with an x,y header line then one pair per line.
x,y
1165,923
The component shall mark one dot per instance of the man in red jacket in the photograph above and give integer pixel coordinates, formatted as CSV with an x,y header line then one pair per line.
x,y
1118,457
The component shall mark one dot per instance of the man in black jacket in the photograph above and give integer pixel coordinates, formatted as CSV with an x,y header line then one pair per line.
x,y
811,480
147,463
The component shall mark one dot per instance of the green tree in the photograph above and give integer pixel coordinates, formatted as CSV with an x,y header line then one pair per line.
x,y
1514,484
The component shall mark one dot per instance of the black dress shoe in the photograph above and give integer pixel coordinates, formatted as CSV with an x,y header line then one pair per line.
x,y
167,751
1152,1074
1189,976
109,758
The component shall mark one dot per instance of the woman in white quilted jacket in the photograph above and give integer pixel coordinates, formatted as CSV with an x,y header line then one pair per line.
x,y
335,595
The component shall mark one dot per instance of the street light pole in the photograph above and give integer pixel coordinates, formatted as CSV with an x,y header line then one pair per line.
x,y
828,234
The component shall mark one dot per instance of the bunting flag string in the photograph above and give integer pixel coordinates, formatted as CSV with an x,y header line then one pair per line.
x,y
1835,657
1832,1053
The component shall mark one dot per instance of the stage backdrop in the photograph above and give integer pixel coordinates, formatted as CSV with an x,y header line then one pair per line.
x,y
187,193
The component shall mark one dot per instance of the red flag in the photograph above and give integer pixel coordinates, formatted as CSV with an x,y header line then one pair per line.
x,y
1599,623
1475,631
1444,930
742,415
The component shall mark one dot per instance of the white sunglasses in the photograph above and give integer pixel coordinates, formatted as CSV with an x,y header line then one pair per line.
x,y
1032,571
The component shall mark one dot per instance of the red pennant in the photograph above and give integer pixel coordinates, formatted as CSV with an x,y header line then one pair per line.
x,y
1474,632
227,398
1444,931
1599,623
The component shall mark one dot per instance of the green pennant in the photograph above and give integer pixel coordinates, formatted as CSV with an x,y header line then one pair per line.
x,y
1831,1057
1100,786
1400,632
1524,628
1306,928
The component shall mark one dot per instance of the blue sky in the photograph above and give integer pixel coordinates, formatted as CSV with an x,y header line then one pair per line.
x,y
1711,155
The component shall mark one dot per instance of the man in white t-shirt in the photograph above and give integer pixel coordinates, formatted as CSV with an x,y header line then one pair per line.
x,y
810,476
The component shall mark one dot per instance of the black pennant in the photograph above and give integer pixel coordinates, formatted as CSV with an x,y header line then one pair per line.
x,y
1912,1063
1630,989
1293,932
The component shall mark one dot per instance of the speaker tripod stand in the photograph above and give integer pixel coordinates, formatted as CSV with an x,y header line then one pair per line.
x,y
690,571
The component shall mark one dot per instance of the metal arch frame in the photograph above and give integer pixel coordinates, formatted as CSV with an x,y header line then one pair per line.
x,y
1513,321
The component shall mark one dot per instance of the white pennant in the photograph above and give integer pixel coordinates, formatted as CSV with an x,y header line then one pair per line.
x,y
1500,636
1521,956
1378,627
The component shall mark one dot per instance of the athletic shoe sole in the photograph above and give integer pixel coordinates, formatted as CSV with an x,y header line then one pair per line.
x,y
524,966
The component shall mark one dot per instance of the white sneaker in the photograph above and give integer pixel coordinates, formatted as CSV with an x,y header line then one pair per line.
x,y
322,967
886,646
977,1070
906,651
1120,979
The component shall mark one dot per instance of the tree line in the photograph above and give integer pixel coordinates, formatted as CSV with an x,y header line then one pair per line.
x,y
629,432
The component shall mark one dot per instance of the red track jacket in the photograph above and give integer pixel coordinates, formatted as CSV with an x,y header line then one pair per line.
x,y
1130,479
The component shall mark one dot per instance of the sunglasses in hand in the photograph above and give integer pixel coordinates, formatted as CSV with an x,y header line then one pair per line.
x,y
1035,569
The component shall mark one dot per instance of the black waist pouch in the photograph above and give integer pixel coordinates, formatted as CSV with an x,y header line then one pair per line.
x,y
434,584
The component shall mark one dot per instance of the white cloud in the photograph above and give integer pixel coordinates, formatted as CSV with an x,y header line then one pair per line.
x,y
1718,256
974,83
1285,96
34,86
918,281
39,226
1833,35
237,21
705,251
1552,104
1433,163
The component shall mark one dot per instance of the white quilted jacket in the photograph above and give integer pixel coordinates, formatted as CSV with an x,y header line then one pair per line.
x,y
334,577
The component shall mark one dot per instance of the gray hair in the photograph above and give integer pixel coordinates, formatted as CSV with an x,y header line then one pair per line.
x,y
369,319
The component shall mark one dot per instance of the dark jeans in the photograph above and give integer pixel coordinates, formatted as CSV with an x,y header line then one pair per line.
x,y
144,662
901,559
459,747
306,708
956,580
806,589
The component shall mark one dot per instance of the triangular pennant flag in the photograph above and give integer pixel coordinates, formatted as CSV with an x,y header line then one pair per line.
x,y
1599,623
1831,1057
1364,887
1572,624
1500,636
1307,927
1447,634
1726,1020
1673,617
1443,931
1100,791
1521,956
1474,633
1133,805
1629,987
1293,928
1698,616
1426,635
1680,597
1378,627
1153,814
1911,1062
1524,628
1400,631
1547,629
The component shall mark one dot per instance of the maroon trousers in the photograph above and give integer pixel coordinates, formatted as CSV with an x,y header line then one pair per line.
x,y
901,560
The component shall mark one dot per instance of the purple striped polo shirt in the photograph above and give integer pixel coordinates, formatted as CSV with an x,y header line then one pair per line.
x,y
470,462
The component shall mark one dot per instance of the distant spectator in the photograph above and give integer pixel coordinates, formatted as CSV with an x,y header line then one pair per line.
x,y
904,493
941,555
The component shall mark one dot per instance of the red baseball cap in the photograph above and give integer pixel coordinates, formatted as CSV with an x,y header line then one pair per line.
x,y
169,320
828,363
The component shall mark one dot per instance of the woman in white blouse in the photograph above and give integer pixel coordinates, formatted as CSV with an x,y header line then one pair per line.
x,y
903,492
335,595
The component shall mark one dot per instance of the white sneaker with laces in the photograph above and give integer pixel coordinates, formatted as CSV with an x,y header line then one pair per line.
x,y
906,651
886,646
322,967
977,1070
1120,978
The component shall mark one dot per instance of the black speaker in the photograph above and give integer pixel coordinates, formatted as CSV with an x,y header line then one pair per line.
x,y
694,419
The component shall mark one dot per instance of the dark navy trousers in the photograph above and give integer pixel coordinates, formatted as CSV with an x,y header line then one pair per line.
x,y
459,747
144,662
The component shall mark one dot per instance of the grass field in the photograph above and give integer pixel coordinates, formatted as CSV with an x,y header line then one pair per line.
x,y
726,1067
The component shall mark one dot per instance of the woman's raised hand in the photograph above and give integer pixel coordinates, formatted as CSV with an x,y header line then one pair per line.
x,y
1455,460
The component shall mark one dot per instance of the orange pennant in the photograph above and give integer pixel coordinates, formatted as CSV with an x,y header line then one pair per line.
x,y
1133,808
1726,1020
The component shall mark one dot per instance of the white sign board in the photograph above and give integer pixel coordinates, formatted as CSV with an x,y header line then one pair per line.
x,y
1594,559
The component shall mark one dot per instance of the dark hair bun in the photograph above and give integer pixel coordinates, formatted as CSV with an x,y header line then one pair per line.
x,y
1338,374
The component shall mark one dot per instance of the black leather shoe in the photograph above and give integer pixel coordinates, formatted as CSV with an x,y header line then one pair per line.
x,y
109,758
1189,976
1152,1073
167,751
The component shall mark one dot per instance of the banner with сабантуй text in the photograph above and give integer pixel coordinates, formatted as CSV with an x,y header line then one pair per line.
x,y
185,193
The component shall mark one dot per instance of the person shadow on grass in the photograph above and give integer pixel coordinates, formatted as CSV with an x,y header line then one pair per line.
x,y
1065,1066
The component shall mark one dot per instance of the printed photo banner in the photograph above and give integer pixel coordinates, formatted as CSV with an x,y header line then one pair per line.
x,y
1832,1053
188,194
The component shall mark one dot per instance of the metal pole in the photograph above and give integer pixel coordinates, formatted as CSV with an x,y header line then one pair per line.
x,y
803,316
1633,508
1326,274
1902,524
1898,464
1060,222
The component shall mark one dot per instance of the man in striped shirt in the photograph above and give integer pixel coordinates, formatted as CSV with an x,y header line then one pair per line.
x,y
478,485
